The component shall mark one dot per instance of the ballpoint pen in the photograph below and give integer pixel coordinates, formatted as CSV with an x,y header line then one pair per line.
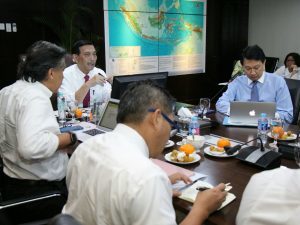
x,y
203,188
190,184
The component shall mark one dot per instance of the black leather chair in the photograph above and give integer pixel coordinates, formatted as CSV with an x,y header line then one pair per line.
x,y
11,211
294,88
271,64
63,219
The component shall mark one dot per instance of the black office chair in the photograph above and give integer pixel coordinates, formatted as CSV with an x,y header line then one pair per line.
x,y
63,219
271,64
294,88
11,211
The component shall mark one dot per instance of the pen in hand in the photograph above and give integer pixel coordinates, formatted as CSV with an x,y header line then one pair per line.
x,y
203,188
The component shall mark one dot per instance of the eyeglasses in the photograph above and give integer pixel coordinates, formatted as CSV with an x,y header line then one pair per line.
x,y
171,122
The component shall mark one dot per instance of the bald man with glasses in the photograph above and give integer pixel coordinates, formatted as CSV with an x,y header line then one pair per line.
x,y
111,179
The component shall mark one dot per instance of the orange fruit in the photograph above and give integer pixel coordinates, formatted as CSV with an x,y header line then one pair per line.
x,y
222,142
279,131
78,113
187,149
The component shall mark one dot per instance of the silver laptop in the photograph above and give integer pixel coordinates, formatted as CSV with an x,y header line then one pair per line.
x,y
247,113
107,121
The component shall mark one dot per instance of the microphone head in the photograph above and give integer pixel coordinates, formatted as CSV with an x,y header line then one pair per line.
x,y
173,132
231,150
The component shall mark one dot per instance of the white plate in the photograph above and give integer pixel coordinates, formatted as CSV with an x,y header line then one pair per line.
x,y
218,154
196,156
169,144
290,138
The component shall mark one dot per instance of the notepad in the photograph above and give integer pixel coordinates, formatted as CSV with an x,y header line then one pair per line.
x,y
190,193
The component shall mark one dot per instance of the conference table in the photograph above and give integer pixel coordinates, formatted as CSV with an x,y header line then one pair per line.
x,y
226,170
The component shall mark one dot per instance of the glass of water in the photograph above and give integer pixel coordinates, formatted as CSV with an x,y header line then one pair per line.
x,y
183,124
204,106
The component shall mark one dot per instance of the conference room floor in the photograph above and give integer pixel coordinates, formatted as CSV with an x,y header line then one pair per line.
x,y
226,170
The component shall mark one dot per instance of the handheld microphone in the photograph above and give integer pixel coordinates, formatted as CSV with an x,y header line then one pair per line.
x,y
232,150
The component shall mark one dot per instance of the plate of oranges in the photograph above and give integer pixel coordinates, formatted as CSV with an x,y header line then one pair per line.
x,y
218,150
185,155
282,135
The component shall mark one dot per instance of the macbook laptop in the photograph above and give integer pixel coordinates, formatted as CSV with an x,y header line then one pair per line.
x,y
247,113
107,122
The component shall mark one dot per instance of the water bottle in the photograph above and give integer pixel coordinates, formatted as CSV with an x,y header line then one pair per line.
x,y
61,104
262,127
194,126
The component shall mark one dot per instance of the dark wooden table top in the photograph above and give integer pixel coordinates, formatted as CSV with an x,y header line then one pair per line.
x,y
226,170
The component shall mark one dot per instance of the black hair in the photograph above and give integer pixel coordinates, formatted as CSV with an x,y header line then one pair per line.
x,y
253,52
39,58
139,97
78,44
295,56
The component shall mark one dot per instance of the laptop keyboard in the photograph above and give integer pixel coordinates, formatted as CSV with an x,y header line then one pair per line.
x,y
93,132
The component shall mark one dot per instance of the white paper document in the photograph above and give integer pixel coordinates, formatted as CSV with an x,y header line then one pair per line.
x,y
189,194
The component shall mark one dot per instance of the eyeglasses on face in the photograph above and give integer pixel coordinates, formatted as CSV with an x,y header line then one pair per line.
x,y
171,122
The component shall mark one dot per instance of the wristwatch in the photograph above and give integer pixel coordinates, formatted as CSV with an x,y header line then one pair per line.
x,y
73,138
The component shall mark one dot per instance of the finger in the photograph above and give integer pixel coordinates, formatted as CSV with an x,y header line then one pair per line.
x,y
221,187
176,193
186,179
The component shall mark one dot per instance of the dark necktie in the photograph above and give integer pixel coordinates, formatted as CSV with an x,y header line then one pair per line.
x,y
86,100
254,92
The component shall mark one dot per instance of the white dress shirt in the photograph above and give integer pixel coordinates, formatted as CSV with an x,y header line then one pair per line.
x,y
284,72
112,181
271,198
74,79
28,133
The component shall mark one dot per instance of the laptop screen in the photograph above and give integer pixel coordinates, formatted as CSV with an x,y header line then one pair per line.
x,y
109,117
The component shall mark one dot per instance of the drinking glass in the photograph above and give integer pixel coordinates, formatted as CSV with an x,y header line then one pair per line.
x,y
183,124
276,127
204,106
72,106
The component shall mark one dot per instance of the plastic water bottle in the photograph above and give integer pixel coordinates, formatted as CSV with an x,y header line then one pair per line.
x,y
194,126
262,127
61,103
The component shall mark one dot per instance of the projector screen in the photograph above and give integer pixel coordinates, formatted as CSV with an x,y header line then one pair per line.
x,y
148,36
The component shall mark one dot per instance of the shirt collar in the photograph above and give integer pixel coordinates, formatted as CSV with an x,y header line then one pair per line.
x,y
134,137
80,72
43,88
260,80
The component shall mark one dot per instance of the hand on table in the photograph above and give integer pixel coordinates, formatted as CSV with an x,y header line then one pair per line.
x,y
178,177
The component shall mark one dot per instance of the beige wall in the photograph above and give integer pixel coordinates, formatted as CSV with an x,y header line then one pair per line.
x,y
275,26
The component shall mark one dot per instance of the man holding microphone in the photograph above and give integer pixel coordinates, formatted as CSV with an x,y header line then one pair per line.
x,y
83,81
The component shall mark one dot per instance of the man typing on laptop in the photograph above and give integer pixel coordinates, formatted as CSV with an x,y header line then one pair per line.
x,y
257,85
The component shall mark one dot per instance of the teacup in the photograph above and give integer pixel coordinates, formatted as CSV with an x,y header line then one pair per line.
x,y
197,141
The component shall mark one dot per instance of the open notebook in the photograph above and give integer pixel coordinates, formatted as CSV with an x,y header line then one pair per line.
x,y
189,194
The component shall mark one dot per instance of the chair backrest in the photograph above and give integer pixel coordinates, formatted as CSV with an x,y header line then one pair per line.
x,y
63,219
271,64
294,88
